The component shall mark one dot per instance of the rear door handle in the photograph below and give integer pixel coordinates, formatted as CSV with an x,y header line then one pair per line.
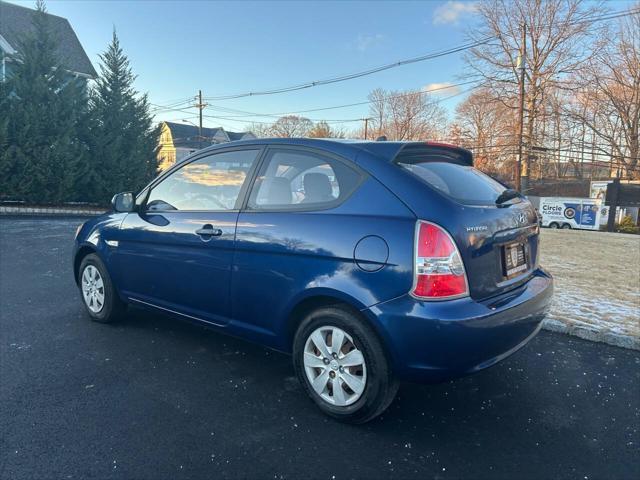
x,y
208,231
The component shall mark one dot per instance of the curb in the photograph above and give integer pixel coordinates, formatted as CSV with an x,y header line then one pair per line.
x,y
50,211
625,341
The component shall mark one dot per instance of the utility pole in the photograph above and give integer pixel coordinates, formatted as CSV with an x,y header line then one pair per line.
x,y
366,126
200,106
522,60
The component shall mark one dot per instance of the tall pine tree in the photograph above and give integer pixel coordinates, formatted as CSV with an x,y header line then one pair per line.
x,y
4,138
43,152
122,138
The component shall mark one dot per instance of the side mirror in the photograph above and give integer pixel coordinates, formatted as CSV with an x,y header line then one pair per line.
x,y
123,202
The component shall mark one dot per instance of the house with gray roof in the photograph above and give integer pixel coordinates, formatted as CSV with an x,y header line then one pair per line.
x,y
178,140
17,21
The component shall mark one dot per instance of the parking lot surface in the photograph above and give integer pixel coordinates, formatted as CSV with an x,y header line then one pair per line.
x,y
153,397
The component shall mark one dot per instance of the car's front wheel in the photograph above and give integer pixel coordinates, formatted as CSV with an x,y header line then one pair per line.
x,y
97,291
343,366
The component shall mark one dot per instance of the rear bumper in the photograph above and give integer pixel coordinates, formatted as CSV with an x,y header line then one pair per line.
x,y
435,341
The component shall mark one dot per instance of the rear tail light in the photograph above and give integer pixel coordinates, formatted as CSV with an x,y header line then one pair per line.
x,y
439,271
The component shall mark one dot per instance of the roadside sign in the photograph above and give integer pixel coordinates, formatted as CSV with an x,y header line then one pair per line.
x,y
598,189
624,194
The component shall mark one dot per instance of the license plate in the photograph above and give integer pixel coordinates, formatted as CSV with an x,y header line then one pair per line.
x,y
515,260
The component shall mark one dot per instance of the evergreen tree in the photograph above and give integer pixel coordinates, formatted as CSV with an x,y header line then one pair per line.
x,y
4,138
122,139
43,154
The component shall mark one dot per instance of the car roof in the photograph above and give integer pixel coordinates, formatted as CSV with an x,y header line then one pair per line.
x,y
387,150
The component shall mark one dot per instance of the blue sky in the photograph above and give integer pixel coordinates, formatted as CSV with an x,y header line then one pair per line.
x,y
178,47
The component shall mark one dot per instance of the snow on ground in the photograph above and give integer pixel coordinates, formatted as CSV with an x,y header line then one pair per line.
x,y
597,285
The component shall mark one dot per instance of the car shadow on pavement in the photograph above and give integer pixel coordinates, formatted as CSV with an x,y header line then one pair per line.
x,y
470,401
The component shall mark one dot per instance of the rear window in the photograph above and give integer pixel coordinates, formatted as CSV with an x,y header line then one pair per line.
x,y
462,183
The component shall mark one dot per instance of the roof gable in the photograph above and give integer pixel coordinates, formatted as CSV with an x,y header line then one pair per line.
x,y
188,136
233,136
16,21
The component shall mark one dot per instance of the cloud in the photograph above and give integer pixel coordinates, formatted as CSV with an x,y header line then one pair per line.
x,y
451,11
441,88
364,42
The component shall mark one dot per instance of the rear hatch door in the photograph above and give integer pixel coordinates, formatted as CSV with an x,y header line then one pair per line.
x,y
496,229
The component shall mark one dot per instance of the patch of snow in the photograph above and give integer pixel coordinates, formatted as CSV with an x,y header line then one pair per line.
x,y
597,285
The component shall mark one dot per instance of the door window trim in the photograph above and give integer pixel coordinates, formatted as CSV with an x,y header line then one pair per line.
x,y
301,207
260,149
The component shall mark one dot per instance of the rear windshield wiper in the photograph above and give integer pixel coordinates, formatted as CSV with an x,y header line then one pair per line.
x,y
508,194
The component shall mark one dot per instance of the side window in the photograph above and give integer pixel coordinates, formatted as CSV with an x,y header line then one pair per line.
x,y
291,179
209,183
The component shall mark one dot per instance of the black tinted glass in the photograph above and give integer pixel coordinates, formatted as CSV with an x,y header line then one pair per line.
x,y
464,184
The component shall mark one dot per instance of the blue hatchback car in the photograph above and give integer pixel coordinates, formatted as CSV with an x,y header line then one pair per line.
x,y
369,262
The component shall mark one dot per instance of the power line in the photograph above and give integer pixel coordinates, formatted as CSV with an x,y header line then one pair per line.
x,y
181,119
181,99
366,102
429,56
606,16
236,115
346,120
243,113
240,118
549,151
575,145
169,106
409,61
381,68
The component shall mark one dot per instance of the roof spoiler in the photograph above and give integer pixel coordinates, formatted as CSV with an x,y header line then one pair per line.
x,y
433,151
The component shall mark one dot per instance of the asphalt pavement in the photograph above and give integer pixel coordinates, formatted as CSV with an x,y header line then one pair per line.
x,y
156,398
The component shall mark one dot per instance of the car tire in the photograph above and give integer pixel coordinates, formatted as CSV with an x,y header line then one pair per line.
x,y
98,294
566,226
553,225
375,373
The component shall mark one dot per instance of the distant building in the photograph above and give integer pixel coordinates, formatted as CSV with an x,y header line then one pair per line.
x,y
178,140
16,22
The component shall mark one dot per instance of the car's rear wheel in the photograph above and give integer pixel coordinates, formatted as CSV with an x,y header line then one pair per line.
x,y
566,226
343,366
553,225
98,295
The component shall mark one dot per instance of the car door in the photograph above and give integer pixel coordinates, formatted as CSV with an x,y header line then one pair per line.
x,y
176,252
292,235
